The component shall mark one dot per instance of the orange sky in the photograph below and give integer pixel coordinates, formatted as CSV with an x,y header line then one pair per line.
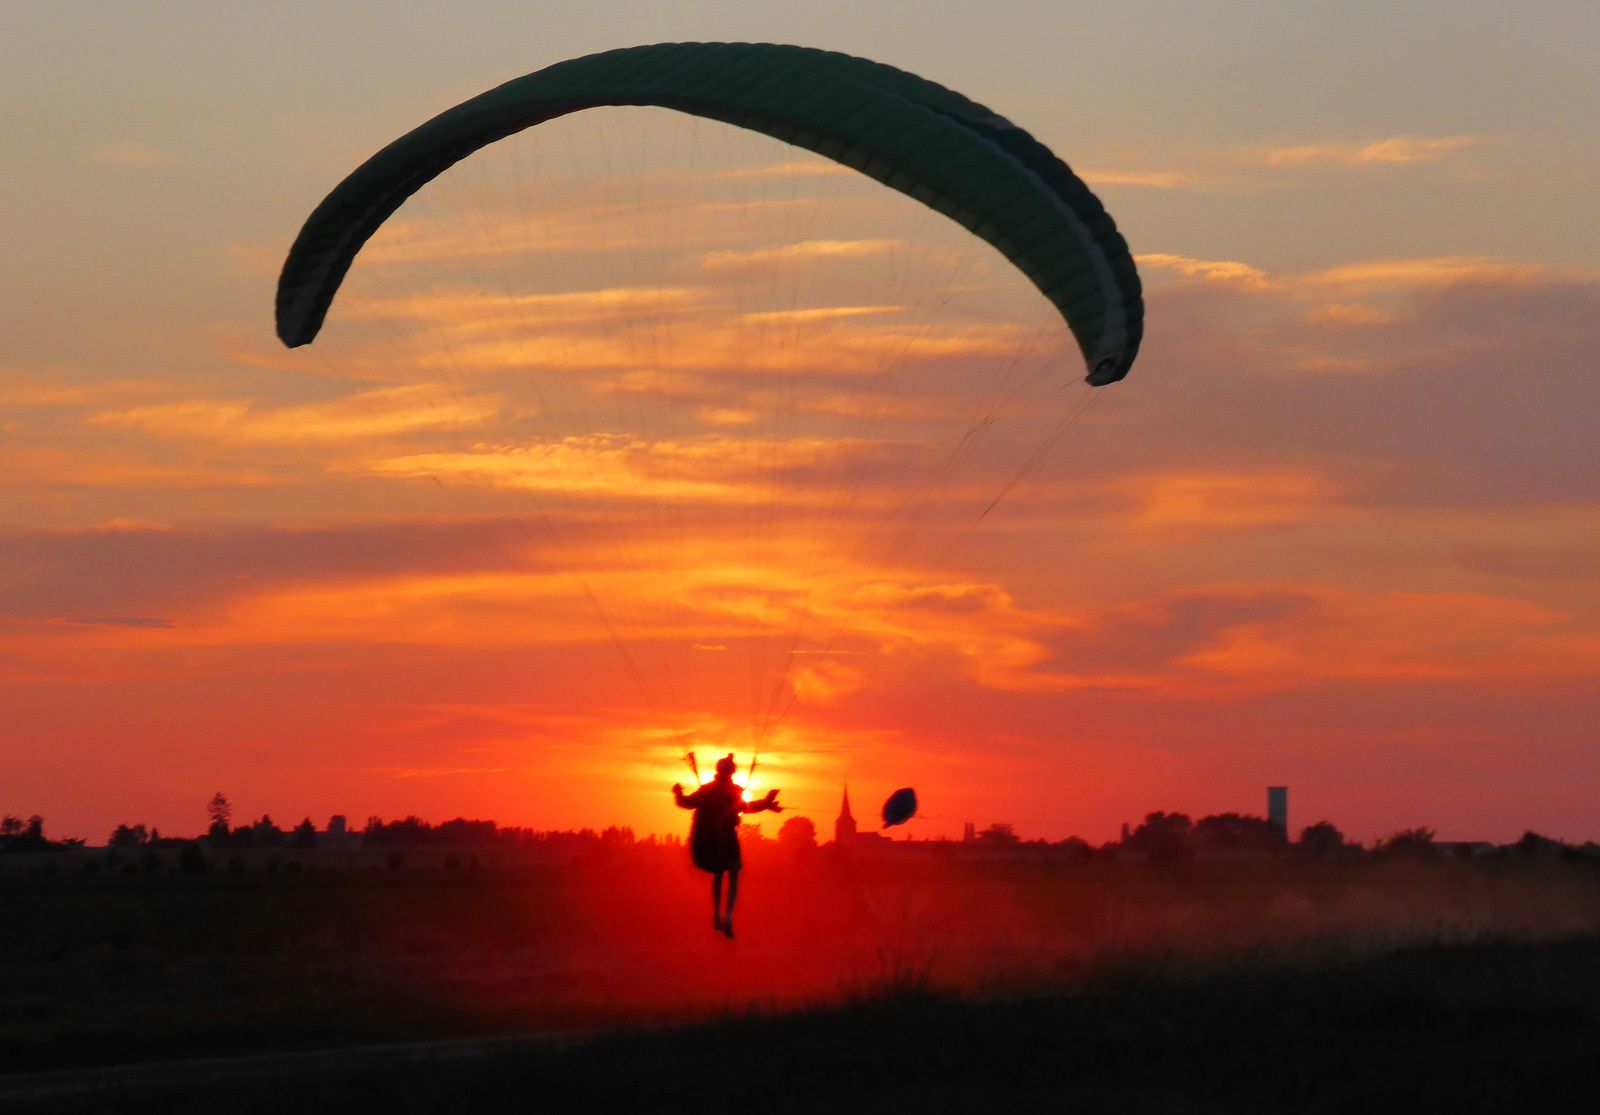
x,y
635,428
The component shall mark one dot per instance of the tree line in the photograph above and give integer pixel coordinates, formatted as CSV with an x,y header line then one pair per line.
x,y
1160,835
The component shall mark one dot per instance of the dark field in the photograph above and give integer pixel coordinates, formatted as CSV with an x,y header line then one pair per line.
x,y
1260,983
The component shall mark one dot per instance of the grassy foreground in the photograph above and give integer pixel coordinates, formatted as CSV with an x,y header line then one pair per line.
x,y
105,969
1272,984
1502,1027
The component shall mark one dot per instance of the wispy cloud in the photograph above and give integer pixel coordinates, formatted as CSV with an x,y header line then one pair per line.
x,y
714,468
584,228
801,250
1236,642
38,470
819,314
477,310
1348,315
703,337
27,390
1150,179
1402,636
1402,150
1221,501
1389,274
728,416
1254,169
826,681
384,412
1228,271
1348,280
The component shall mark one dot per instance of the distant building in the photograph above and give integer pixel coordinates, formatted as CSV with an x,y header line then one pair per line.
x,y
969,833
1278,808
844,828
338,834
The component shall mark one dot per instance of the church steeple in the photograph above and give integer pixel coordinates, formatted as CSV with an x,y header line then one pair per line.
x,y
844,829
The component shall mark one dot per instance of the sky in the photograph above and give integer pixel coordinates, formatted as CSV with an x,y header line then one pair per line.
x,y
630,431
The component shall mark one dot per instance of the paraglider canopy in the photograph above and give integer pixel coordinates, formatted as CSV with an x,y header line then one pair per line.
x,y
900,808
952,154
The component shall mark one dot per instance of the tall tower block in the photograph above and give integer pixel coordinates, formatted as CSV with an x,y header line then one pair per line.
x,y
1278,808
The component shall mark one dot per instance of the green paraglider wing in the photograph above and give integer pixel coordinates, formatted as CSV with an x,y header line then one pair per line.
x,y
910,134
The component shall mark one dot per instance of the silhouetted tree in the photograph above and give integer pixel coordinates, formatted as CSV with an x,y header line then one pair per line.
x,y
798,835
617,836
219,811
15,836
1237,832
1077,847
1408,843
1321,839
462,833
1000,834
267,834
128,836
191,861
1538,846
305,835
1162,836
412,832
